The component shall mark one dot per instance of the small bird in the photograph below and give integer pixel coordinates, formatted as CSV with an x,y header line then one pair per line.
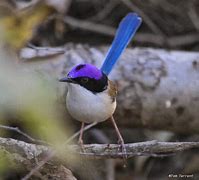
x,y
91,94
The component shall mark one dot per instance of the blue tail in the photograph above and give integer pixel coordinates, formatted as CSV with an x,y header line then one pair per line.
x,y
125,32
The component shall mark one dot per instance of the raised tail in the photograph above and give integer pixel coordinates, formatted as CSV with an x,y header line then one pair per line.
x,y
126,30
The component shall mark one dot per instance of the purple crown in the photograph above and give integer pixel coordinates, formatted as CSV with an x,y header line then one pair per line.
x,y
85,70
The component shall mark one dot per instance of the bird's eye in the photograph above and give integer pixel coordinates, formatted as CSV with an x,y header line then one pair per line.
x,y
84,80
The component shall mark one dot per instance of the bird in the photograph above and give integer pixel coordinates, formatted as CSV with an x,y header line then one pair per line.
x,y
91,94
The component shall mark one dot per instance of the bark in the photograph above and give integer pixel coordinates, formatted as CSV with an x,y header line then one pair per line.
x,y
25,153
22,157
158,89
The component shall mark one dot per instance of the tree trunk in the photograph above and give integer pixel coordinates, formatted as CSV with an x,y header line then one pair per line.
x,y
158,89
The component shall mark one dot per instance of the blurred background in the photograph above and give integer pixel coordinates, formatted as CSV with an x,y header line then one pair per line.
x,y
28,99
166,23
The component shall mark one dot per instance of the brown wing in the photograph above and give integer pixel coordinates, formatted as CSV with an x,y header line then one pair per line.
x,y
112,90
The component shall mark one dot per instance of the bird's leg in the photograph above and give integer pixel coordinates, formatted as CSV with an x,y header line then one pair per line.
x,y
120,139
80,141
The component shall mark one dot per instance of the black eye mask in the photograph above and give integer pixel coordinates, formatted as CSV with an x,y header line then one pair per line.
x,y
92,84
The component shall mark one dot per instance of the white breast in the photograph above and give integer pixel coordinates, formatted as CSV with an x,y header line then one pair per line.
x,y
87,107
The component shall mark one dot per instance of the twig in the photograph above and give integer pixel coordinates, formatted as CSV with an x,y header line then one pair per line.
x,y
183,40
52,153
91,26
17,130
105,11
169,7
110,31
149,38
146,18
40,52
193,16
159,40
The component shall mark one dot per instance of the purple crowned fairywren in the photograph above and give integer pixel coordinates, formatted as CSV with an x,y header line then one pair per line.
x,y
91,95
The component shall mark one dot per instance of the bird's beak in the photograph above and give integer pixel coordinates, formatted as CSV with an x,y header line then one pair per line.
x,y
66,79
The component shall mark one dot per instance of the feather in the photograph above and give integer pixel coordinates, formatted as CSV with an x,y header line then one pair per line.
x,y
124,34
112,90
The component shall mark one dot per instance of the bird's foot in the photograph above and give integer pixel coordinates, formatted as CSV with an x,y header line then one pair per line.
x,y
81,144
123,150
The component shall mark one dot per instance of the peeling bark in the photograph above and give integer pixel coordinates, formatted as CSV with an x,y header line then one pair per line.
x,y
158,89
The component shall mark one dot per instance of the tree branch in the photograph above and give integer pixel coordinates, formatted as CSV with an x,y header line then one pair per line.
x,y
145,17
148,148
27,155
17,130
21,155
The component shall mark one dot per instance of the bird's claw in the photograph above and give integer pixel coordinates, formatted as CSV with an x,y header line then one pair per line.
x,y
123,150
81,144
